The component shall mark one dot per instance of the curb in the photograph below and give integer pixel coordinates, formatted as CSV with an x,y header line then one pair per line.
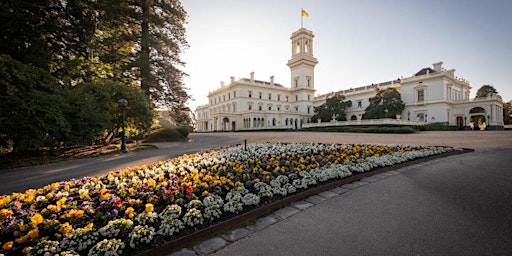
x,y
304,199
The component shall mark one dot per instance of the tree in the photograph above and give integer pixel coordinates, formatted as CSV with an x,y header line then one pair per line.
x,y
507,112
386,103
90,112
139,113
31,106
334,106
486,91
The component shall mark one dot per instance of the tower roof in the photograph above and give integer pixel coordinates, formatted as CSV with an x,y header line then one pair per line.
x,y
424,71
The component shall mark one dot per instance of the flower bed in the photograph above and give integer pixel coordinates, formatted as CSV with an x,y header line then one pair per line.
x,y
131,210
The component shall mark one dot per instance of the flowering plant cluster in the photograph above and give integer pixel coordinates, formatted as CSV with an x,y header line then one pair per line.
x,y
130,208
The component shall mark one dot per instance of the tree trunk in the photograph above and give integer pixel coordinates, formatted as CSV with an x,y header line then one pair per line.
x,y
145,69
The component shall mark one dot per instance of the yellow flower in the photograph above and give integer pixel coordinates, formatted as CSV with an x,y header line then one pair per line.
x,y
129,212
89,226
149,207
36,219
8,246
151,183
65,228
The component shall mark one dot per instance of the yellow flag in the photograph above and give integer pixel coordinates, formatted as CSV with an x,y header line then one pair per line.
x,y
305,14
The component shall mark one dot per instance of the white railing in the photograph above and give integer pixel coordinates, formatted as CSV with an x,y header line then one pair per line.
x,y
385,121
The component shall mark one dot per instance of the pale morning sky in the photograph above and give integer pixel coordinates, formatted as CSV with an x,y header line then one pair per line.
x,y
356,42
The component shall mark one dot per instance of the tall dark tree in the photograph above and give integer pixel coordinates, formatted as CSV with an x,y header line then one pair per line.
x,y
23,25
162,39
386,103
486,91
334,107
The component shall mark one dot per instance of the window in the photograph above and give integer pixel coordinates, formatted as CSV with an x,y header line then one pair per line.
x,y
296,97
279,97
229,96
309,97
309,82
278,108
250,94
259,107
234,94
269,108
261,94
296,109
270,96
360,104
250,107
223,97
296,82
309,109
286,98
421,95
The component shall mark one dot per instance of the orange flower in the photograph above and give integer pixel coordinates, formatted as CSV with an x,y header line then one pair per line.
x,y
8,246
34,233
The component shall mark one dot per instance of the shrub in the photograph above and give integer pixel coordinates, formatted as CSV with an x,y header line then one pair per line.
x,y
436,127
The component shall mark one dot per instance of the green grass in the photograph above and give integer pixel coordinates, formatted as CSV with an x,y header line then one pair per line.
x,y
168,135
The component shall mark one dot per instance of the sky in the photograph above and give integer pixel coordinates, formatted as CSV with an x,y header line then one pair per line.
x,y
357,42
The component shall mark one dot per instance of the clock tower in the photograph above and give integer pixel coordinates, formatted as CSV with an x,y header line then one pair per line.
x,y
302,63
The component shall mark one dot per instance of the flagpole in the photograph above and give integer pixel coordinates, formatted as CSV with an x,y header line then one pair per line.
x,y
301,18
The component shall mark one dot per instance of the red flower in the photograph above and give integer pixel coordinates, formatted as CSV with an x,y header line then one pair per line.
x,y
189,191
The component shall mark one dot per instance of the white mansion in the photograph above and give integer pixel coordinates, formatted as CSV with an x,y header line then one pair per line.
x,y
432,95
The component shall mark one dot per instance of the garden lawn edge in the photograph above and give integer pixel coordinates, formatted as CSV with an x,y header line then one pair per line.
x,y
236,221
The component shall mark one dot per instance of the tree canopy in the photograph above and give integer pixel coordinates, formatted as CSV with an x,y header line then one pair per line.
x,y
385,104
333,107
86,54
507,112
486,91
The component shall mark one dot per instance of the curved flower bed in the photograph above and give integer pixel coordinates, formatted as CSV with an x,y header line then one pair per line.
x,y
129,210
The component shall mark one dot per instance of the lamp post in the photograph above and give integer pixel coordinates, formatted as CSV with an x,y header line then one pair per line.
x,y
123,103
386,113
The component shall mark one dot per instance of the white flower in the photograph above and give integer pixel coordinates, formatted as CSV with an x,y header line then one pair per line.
x,y
141,235
170,226
193,217
170,212
251,199
233,206
114,227
106,247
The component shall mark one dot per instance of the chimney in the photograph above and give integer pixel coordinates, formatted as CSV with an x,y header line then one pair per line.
x,y
252,77
271,80
221,83
232,79
438,66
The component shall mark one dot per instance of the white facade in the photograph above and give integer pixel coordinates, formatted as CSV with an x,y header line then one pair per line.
x,y
432,95
250,104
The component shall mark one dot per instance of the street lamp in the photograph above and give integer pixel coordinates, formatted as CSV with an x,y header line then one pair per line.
x,y
123,103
